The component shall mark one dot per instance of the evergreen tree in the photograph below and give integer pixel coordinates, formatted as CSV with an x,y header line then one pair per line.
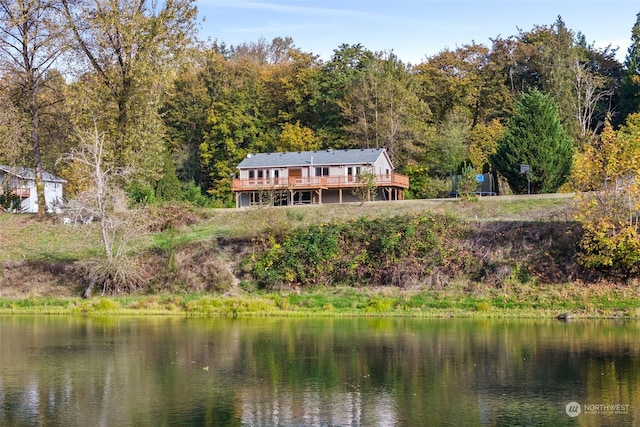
x,y
169,186
630,86
542,59
534,136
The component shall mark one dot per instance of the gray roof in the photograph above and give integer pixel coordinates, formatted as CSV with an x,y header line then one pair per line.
x,y
29,174
307,158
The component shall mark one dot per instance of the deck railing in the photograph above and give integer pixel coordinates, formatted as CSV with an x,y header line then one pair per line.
x,y
316,182
21,192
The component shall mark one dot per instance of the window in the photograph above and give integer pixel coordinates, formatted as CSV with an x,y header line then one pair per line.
x,y
260,174
252,174
322,171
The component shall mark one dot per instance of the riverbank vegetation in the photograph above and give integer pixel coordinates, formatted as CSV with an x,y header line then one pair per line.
x,y
497,256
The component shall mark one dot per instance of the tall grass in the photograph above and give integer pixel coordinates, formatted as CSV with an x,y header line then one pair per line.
x,y
546,301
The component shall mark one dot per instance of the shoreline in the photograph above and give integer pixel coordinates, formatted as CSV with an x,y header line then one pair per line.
x,y
575,301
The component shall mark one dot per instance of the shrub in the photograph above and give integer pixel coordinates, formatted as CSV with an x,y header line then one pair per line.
x,y
140,193
295,214
106,304
366,189
365,252
378,304
10,202
170,216
121,274
468,184
193,194
483,306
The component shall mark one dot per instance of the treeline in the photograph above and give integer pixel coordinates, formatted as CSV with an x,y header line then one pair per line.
x,y
434,118
175,115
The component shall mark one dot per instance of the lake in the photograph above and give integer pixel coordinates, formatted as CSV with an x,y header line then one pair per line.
x,y
157,371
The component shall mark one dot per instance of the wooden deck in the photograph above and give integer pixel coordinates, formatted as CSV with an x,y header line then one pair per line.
x,y
316,183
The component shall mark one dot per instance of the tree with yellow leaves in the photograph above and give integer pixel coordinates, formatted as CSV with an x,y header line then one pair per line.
x,y
483,143
607,175
295,137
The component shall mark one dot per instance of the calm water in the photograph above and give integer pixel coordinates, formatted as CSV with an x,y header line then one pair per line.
x,y
70,371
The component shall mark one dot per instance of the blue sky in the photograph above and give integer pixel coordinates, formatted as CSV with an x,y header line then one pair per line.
x,y
413,29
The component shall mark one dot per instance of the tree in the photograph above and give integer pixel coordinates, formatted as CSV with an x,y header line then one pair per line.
x,y
580,79
483,142
30,44
295,137
381,109
12,138
365,189
131,48
335,81
465,79
235,124
104,201
534,136
597,77
185,111
449,145
290,84
590,90
542,60
630,87
606,175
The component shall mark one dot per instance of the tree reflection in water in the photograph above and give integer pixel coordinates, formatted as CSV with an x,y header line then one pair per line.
x,y
314,372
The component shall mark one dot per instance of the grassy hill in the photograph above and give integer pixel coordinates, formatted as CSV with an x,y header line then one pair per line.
x,y
40,254
25,238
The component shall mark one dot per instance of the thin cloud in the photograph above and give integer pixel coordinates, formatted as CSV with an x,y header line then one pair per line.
x,y
268,29
292,9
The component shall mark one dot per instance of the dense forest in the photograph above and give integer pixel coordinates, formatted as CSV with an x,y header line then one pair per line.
x,y
174,115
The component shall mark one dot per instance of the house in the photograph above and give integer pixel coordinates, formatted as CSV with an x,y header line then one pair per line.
x,y
315,177
21,182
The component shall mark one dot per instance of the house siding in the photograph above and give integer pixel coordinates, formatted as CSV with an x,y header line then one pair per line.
x,y
52,196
